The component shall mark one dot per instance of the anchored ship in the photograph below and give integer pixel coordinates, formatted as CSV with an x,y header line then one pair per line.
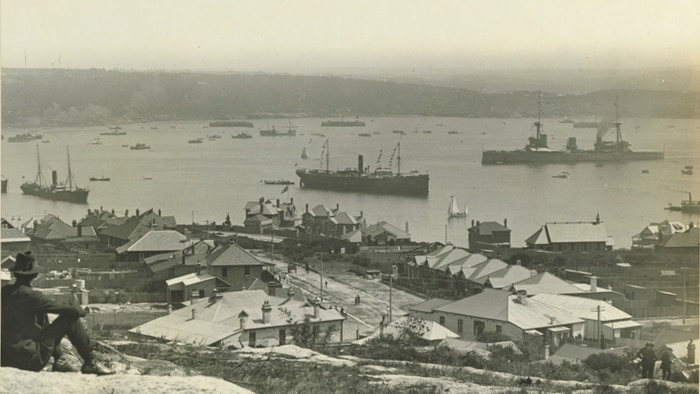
x,y
687,206
537,151
67,191
361,180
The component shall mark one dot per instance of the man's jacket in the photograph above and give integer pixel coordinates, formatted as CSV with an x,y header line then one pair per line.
x,y
24,314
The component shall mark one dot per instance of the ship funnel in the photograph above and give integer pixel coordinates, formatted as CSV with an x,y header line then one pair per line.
x,y
360,164
54,178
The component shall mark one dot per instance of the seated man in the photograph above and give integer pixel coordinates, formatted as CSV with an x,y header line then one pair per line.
x,y
28,339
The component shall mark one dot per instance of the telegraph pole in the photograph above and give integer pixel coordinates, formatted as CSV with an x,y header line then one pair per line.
x,y
391,286
685,287
321,271
600,337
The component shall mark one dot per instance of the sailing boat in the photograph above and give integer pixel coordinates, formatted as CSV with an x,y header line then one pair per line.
x,y
453,210
67,191
304,154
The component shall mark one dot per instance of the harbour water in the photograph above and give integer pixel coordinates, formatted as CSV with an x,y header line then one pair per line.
x,y
205,182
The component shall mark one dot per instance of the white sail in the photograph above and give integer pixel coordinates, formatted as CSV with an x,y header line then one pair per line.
x,y
304,154
453,209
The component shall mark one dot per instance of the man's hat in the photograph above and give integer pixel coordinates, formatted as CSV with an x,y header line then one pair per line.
x,y
25,264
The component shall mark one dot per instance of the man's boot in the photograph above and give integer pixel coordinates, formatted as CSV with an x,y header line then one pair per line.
x,y
93,367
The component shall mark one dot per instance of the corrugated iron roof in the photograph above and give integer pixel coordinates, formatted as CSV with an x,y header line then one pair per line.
x,y
488,228
429,305
231,255
546,283
559,232
585,308
506,277
688,239
156,240
9,235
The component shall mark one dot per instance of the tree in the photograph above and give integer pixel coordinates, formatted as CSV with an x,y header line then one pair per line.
x,y
307,334
411,330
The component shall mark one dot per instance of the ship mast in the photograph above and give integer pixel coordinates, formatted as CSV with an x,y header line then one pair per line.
x,y
538,124
328,154
617,122
38,179
70,181
398,158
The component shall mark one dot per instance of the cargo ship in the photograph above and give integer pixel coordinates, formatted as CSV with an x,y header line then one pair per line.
x,y
361,180
230,123
537,151
687,206
67,191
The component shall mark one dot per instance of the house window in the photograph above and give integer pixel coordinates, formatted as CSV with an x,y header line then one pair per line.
x,y
251,339
283,336
442,320
460,326
499,329
201,293
479,327
246,270
224,272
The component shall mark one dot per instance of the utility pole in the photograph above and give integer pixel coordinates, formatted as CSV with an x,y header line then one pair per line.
x,y
391,288
321,271
600,337
685,287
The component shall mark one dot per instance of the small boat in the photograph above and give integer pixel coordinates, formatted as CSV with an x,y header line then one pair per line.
x,y
125,145
427,131
242,135
453,210
304,153
365,135
116,130
376,132
687,170
96,141
278,182
399,132
566,120
562,175
213,136
45,141
99,179
147,178
645,171
154,127
196,141
140,146
452,132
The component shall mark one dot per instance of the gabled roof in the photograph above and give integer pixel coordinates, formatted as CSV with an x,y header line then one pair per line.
x,y
231,255
344,218
157,241
217,318
585,308
488,228
11,235
504,278
429,305
137,226
481,271
321,211
503,306
559,232
539,238
354,236
688,239
382,226
190,279
546,283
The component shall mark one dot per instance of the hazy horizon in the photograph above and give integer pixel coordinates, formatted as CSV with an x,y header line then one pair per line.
x,y
341,37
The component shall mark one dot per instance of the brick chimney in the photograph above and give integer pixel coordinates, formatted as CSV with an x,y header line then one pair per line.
x,y
505,222
594,284
243,319
316,302
290,293
194,313
522,297
266,312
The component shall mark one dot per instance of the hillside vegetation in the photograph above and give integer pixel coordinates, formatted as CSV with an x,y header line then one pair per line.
x,y
59,97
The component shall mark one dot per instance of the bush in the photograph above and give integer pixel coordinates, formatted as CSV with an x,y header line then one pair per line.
x,y
492,336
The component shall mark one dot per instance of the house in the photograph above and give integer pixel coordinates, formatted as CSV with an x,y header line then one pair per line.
x,y
686,243
571,237
52,230
546,283
192,287
135,227
322,220
488,235
383,233
653,234
243,319
263,215
172,264
237,266
101,219
514,315
427,329
11,239
152,243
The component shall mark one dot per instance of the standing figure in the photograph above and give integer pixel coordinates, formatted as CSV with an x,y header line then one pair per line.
x,y
666,364
29,340
648,357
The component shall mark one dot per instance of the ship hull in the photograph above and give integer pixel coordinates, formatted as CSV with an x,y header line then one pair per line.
x,y
78,196
407,184
529,157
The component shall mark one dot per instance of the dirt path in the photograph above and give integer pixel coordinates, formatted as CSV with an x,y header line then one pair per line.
x,y
340,290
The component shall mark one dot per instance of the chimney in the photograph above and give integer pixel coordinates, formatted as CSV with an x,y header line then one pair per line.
x,y
594,284
316,302
522,297
266,312
360,164
307,207
406,226
505,222
290,293
472,222
194,313
337,207
242,319
291,200
278,203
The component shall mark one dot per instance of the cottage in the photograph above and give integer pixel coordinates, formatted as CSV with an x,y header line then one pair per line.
x,y
322,220
152,243
237,266
115,235
571,237
264,214
11,239
383,233
52,230
489,235
686,243
243,319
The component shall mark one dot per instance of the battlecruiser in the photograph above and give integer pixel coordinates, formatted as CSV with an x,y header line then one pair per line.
x,y
537,151
361,180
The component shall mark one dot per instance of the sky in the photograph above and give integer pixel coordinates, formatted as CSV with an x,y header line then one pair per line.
x,y
325,36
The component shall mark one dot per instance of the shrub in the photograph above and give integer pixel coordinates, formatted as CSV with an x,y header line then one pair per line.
x,y
492,336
